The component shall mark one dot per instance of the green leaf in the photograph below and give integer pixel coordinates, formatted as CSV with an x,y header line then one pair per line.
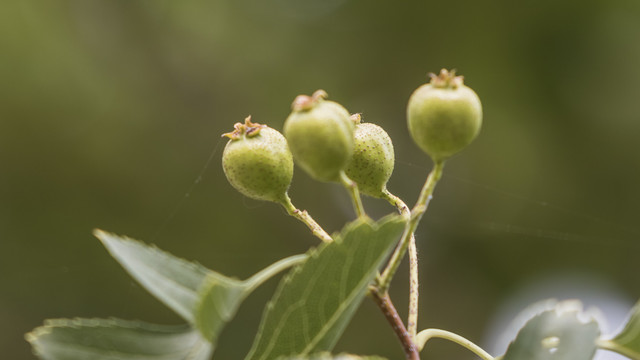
x,y
174,281
114,339
220,296
627,342
204,298
562,333
328,356
315,302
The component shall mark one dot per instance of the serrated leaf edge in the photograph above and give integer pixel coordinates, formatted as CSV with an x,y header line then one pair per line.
x,y
78,323
194,265
106,239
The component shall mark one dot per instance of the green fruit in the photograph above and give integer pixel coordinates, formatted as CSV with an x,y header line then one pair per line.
x,y
373,158
257,162
320,135
444,116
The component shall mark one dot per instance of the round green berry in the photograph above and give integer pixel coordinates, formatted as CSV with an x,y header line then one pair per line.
x,y
320,135
444,116
373,158
257,162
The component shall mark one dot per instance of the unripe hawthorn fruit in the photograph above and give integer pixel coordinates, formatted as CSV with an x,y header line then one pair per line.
x,y
257,162
320,136
444,116
372,162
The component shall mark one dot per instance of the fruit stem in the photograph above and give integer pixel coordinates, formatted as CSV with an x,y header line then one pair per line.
x,y
416,214
425,335
304,216
412,321
352,188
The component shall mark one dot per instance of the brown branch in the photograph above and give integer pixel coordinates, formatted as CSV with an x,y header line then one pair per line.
x,y
391,314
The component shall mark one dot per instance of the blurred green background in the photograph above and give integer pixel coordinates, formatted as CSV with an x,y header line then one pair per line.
x,y
110,111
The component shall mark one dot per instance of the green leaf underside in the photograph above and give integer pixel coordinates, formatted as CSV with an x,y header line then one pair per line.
x,y
315,302
219,300
115,339
174,281
204,298
627,342
557,334
328,356
220,297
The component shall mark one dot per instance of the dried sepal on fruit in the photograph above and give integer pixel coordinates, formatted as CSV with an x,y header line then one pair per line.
x,y
257,161
320,135
371,164
444,116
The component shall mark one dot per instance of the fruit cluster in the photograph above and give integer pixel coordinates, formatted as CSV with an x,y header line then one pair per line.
x,y
331,145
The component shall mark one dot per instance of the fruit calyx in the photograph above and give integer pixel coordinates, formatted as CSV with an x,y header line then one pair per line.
x,y
306,102
356,118
446,79
248,129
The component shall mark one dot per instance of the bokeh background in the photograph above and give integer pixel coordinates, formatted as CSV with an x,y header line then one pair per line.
x,y
111,114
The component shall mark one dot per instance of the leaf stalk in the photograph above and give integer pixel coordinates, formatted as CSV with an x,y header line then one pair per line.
x,y
414,292
426,335
418,210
